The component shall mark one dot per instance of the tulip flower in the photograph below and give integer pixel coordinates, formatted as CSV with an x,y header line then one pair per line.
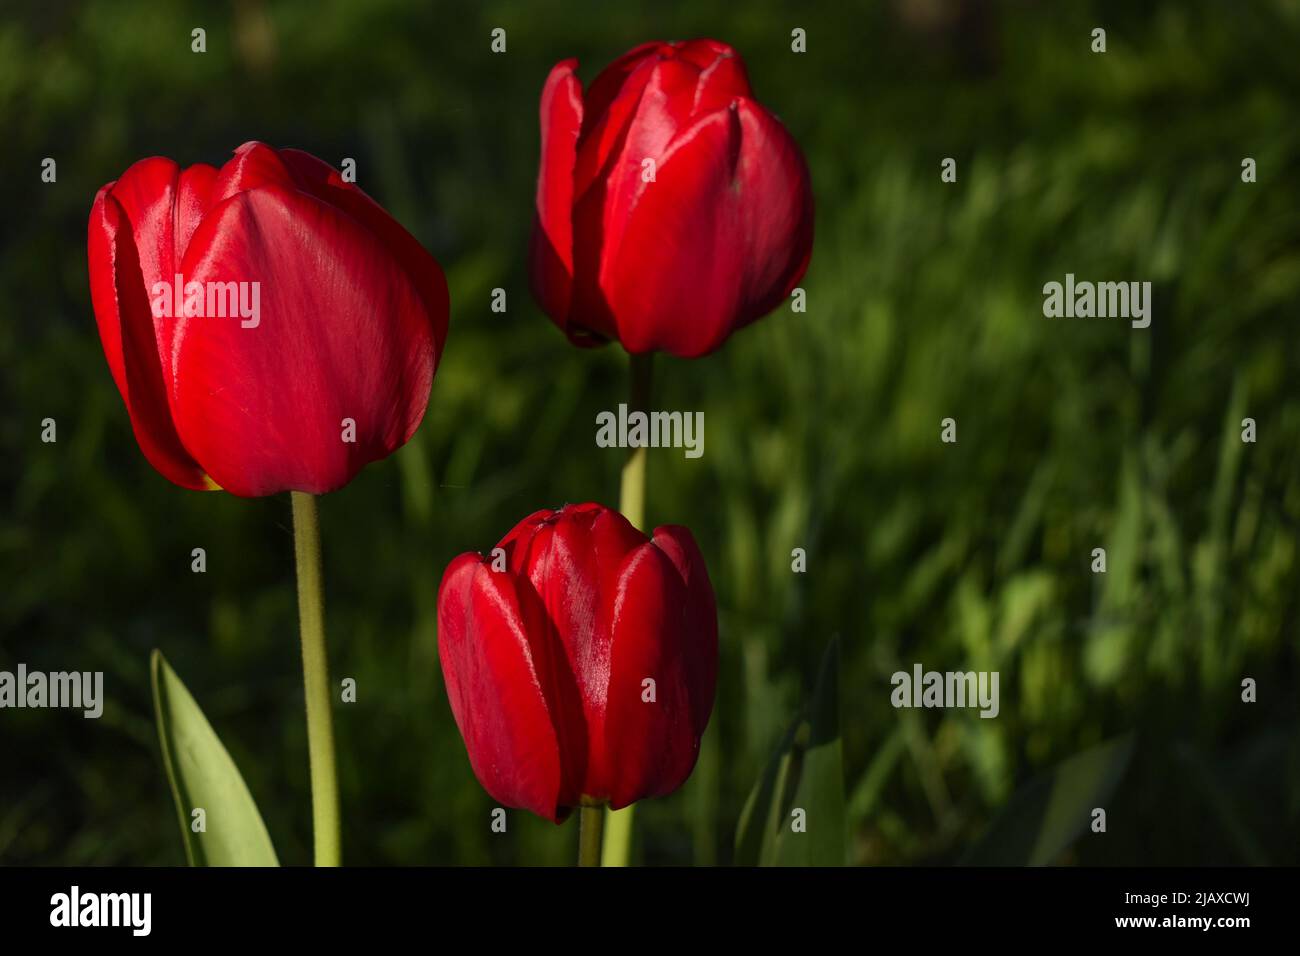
x,y
268,325
270,328
580,659
672,208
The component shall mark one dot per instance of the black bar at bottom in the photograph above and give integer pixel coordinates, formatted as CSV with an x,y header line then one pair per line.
x,y
494,905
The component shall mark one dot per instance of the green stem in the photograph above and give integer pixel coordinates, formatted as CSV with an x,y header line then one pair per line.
x,y
631,497
316,681
631,501
591,821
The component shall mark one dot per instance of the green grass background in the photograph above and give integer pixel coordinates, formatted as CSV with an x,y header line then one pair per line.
x,y
822,429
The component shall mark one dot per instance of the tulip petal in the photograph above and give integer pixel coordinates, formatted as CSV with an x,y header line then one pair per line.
x,y
324,182
163,205
551,252
518,542
722,76
614,80
637,127
703,52
342,335
717,240
573,560
501,687
675,284
650,739
256,165
252,166
778,224
662,109
609,110
194,194
118,293
700,654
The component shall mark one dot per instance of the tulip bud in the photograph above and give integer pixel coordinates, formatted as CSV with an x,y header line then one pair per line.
x,y
672,208
584,672
247,311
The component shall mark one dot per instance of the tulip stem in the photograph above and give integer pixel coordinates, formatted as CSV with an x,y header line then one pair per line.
x,y
591,823
316,681
631,498
631,501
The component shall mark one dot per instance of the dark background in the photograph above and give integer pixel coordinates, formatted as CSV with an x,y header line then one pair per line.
x,y
822,429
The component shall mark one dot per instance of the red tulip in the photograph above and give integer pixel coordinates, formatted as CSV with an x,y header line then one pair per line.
x,y
719,238
249,313
580,665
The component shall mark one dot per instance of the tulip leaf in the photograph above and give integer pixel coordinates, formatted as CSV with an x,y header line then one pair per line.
x,y
762,805
795,815
203,776
1049,813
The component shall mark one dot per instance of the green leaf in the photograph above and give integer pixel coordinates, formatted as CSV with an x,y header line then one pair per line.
x,y
1041,820
756,815
202,774
806,774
